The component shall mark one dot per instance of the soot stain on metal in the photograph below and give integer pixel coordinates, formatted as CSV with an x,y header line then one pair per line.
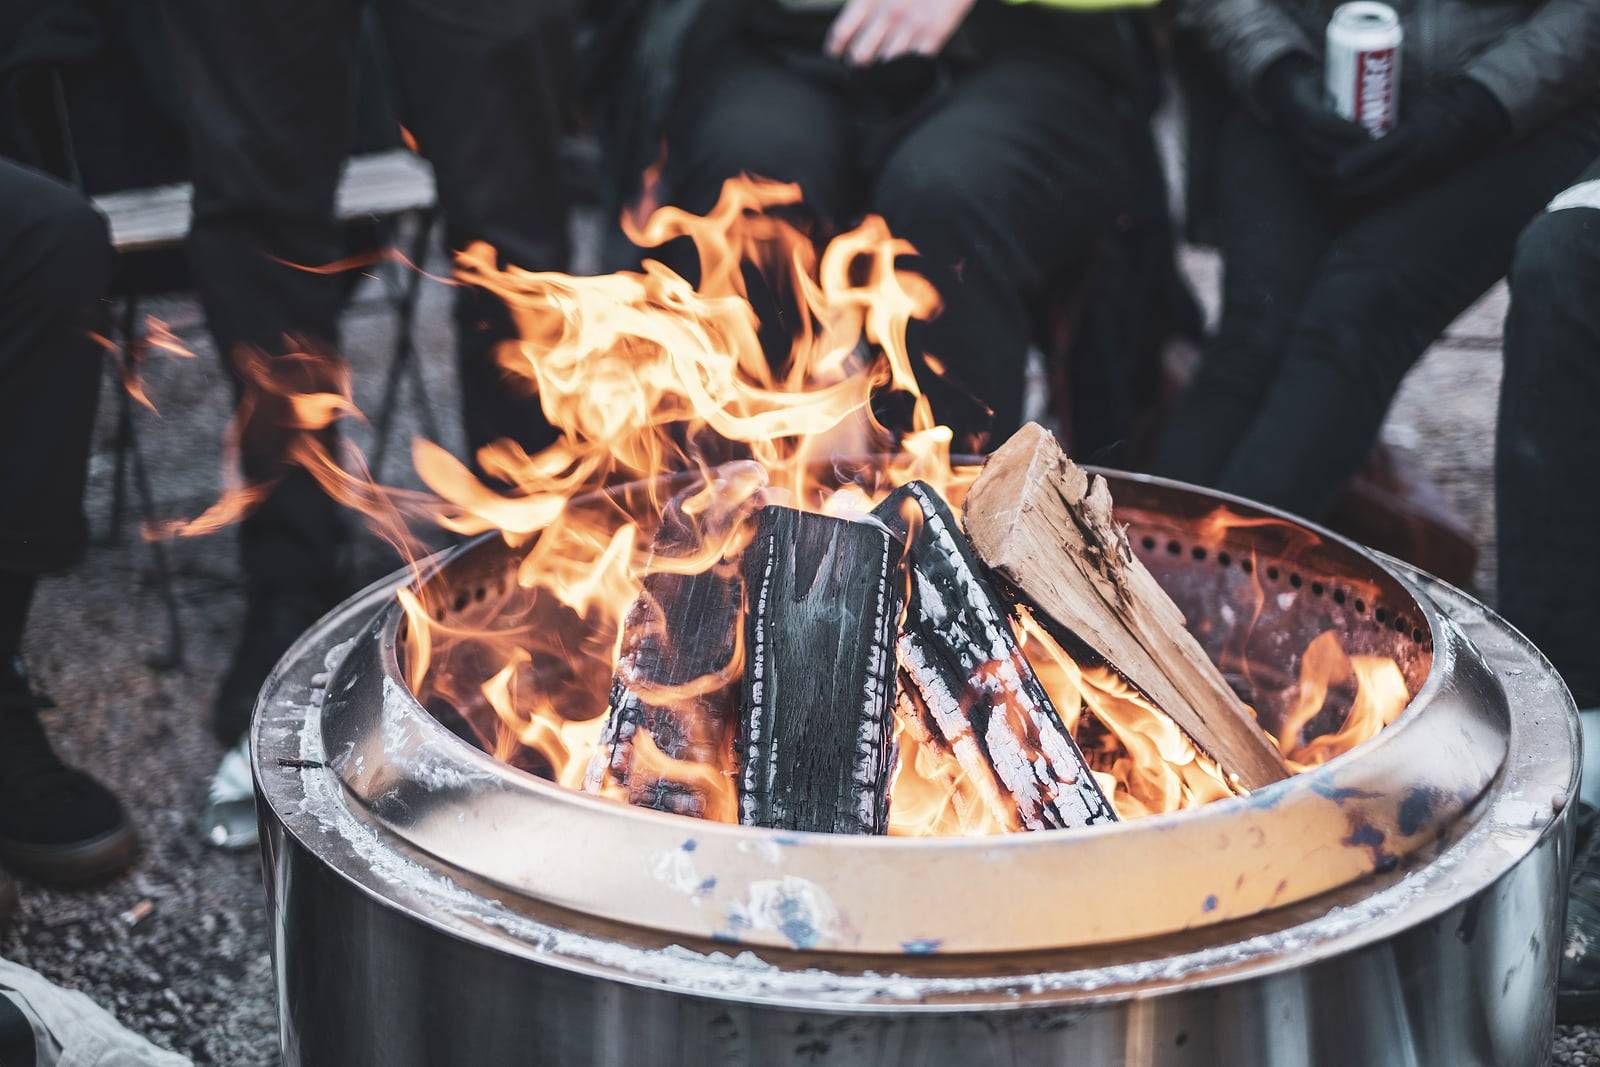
x,y
1416,807
797,909
1364,835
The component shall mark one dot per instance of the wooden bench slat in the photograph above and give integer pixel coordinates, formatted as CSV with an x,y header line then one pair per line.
x,y
384,184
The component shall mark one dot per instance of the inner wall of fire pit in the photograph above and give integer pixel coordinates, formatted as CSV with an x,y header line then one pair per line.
x,y
1382,806
1256,589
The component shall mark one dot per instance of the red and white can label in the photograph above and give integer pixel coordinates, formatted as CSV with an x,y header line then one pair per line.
x,y
1363,64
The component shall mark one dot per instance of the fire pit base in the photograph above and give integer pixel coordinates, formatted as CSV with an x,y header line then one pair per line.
x,y
387,955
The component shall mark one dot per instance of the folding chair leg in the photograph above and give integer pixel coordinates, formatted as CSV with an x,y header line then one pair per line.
x,y
129,460
408,317
123,442
171,657
404,363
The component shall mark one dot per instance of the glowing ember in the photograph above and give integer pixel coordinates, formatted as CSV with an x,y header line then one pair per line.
x,y
654,384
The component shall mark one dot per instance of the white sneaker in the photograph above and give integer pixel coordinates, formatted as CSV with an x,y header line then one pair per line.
x,y
230,815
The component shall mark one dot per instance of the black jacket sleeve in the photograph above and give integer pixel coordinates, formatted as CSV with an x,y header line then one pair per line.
x,y
1245,36
1545,65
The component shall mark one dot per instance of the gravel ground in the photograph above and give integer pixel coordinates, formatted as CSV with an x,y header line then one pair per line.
x,y
194,974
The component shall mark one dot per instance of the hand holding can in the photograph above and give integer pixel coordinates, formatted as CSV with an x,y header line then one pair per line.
x,y
1363,64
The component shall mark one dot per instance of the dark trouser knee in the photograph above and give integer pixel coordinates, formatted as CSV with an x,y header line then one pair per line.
x,y
1557,261
982,331
1547,449
55,263
73,270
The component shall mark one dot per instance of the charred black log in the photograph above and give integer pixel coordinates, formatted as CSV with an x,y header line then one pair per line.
x,y
822,602
668,743
958,649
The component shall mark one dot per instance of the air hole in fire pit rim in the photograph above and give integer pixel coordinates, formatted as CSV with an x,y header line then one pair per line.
x,y
1198,552
1272,574
1295,580
1224,559
1382,615
1174,548
1149,543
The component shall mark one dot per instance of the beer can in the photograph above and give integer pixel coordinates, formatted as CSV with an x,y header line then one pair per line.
x,y
1363,71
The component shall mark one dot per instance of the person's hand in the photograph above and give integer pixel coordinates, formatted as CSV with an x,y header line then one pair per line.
x,y
1291,92
874,31
1444,129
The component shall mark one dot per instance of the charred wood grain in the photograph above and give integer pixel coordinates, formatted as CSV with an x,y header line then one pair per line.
x,y
1046,527
675,691
822,603
957,647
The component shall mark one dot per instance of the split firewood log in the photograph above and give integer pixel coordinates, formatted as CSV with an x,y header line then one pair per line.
x,y
1046,527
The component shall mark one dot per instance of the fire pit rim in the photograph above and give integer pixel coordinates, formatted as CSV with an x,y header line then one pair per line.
x,y
281,724
1325,793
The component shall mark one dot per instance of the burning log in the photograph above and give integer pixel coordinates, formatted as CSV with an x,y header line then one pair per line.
x,y
819,680
1046,526
957,649
668,741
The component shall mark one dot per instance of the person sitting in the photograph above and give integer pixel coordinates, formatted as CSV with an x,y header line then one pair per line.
x,y
989,135
268,89
57,823
1345,256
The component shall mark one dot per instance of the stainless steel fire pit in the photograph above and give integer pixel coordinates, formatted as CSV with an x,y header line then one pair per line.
x,y
1399,904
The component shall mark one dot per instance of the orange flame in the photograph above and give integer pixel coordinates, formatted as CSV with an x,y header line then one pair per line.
x,y
655,384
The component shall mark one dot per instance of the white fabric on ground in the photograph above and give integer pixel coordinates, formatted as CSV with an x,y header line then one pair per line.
x,y
71,1030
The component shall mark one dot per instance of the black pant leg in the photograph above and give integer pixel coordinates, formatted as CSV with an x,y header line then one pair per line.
x,y
1274,228
1547,455
1393,280
55,264
485,86
268,94
754,113
1008,182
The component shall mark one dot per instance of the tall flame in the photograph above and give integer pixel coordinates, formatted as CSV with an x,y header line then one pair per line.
x,y
658,388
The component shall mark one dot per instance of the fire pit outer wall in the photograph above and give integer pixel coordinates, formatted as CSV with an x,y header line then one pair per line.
x,y
1400,904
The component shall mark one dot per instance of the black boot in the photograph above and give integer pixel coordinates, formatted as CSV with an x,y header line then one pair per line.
x,y
57,824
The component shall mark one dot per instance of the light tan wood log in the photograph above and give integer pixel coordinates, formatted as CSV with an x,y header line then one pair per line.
x,y
1045,526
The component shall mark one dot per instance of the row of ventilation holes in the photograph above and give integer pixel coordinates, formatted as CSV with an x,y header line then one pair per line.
x,y
1173,549
1401,623
463,598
